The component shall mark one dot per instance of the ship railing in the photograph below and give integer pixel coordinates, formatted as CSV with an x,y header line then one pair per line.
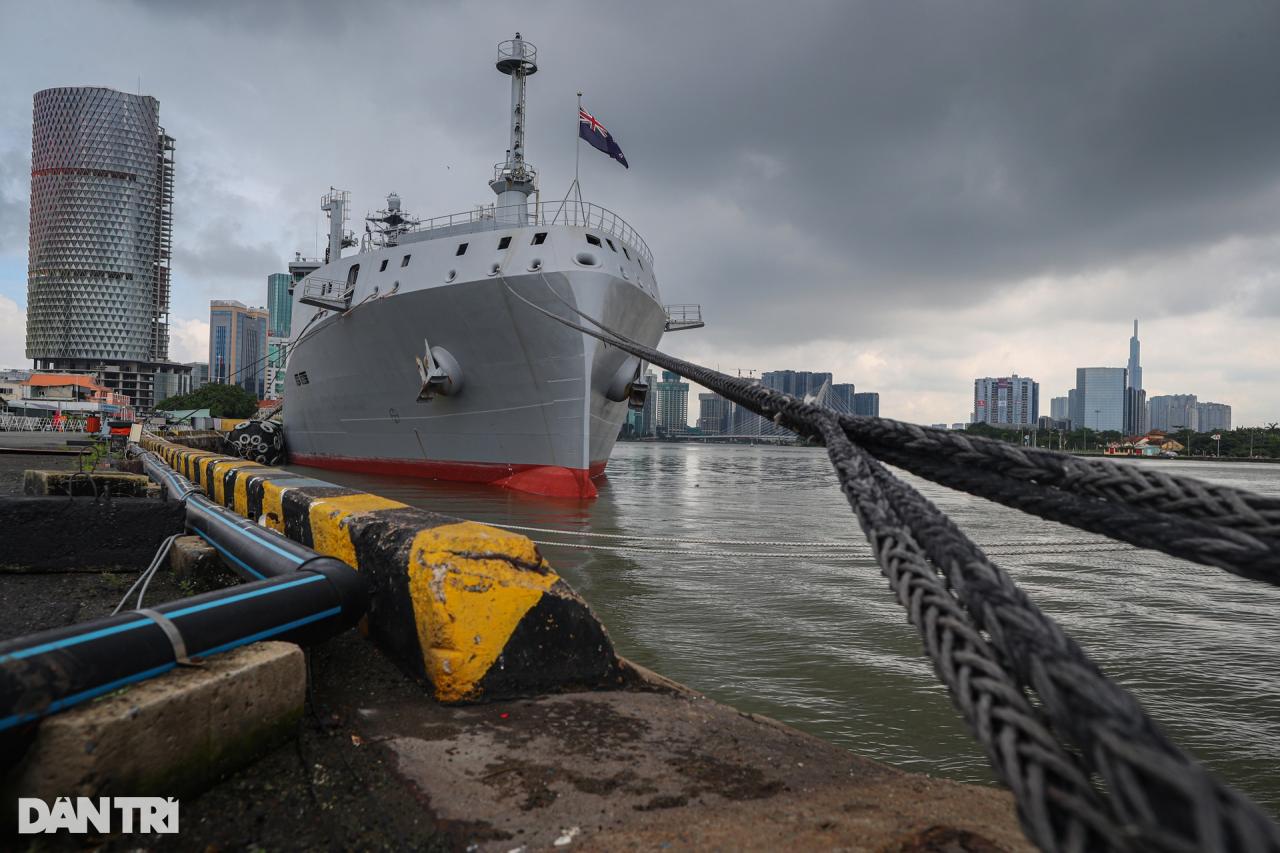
x,y
327,293
578,214
682,317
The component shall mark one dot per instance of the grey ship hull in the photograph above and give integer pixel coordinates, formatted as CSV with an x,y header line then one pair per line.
x,y
532,413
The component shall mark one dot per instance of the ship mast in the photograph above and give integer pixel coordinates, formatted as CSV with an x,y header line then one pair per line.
x,y
513,181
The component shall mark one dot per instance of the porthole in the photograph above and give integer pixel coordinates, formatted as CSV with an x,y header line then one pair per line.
x,y
586,259
451,276
383,267
593,239
504,243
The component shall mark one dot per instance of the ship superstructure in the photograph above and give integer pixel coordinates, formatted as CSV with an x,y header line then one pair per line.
x,y
416,355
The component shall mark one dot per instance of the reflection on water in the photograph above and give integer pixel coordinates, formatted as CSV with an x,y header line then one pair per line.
x,y
814,638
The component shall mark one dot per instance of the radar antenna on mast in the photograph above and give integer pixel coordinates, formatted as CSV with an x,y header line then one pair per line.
x,y
389,223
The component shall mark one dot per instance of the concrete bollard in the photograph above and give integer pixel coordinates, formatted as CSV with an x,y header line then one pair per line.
x,y
96,484
171,736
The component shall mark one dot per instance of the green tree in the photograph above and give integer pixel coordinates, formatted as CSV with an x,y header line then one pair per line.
x,y
222,401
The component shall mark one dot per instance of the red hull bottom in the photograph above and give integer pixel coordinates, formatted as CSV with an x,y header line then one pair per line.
x,y
554,481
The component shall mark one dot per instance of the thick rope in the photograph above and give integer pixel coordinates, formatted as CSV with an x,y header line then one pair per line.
x,y
1155,796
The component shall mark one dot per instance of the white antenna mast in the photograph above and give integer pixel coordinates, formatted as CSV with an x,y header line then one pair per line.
x,y
513,180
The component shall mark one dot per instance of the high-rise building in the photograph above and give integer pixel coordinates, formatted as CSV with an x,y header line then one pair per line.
x,y
671,409
1135,398
1012,401
713,414
100,239
1135,411
1060,408
1135,367
797,383
279,304
238,346
841,398
1212,417
649,421
1173,412
867,404
199,374
280,312
1100,403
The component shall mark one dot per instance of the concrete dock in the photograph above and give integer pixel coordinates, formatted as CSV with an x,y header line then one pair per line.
x,y
376,763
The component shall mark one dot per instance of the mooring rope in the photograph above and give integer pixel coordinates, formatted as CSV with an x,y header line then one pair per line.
x,y
1088,768
773,543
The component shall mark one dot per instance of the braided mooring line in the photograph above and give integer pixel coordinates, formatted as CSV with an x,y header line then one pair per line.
x,y
1057,806
1156,797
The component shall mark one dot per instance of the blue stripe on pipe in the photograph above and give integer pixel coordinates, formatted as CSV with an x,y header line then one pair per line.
x,y
68,701
248,531
129,626
209,605
271,632
232,557
71,641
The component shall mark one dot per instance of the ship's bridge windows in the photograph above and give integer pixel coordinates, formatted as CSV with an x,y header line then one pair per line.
x,y
352,274
504,243
462,249
383,268
611,247
593,239
404,262
625,253
539,238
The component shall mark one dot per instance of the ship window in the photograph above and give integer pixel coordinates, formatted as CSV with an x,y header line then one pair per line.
x,y
462,249
383,268
504,242
539,238
640,262
610,242
626,253
593,239
404,262
352,274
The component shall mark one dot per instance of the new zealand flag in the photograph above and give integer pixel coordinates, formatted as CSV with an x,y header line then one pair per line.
x,y
601,139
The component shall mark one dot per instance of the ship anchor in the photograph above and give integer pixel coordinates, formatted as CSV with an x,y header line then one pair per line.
x,y
439,372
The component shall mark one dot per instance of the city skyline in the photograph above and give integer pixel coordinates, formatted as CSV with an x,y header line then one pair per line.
x,y
876,279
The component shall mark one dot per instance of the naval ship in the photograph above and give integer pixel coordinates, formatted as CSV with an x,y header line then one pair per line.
x,y
419,353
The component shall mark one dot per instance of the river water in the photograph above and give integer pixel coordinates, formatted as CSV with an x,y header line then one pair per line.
x,y
810,634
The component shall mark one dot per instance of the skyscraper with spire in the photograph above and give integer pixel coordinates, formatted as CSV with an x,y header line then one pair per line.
x,y
1135,369
1135,399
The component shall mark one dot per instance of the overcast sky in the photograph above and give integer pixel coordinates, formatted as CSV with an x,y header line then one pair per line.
x,y
909,195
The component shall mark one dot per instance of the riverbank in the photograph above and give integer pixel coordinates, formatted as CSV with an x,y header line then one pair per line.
x,y
378,765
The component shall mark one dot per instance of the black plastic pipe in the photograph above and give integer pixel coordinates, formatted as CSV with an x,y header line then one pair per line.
x,y
294,594
46,672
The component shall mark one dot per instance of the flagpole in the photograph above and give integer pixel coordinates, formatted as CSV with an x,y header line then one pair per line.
x,y
577,151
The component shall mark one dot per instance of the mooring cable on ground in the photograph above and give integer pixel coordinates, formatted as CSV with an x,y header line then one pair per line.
x,y
1089,769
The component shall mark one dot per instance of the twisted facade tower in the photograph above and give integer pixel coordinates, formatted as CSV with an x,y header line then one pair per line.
x,y
101,226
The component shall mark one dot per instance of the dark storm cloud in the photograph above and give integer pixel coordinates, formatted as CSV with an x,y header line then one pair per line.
x,y
843,170
941,145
